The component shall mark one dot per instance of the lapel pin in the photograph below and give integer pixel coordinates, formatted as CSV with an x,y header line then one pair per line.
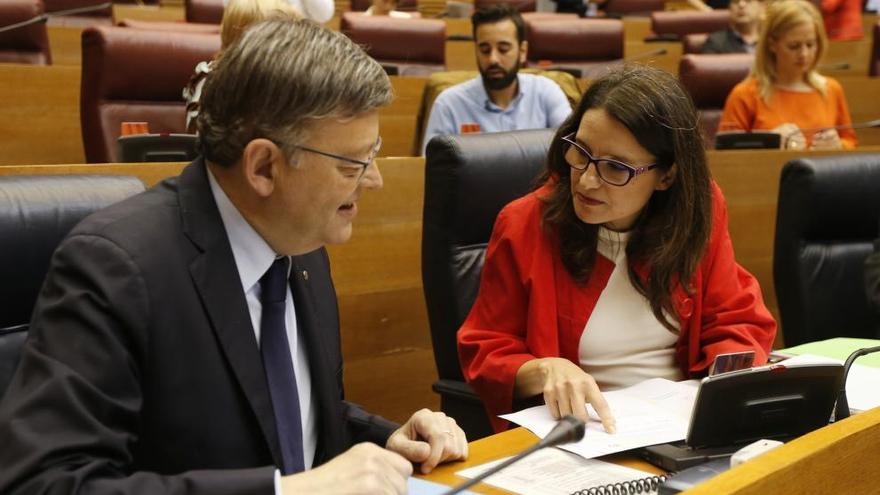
x,y
305,274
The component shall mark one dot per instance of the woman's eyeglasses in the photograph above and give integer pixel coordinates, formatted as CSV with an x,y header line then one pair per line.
x,y
613,172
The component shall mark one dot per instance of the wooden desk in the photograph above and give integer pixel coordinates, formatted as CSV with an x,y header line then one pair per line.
x,y
398,122
65,44
840,458
856,55
40,124
39,114
750,181
637,51
862,97
505,444
166,13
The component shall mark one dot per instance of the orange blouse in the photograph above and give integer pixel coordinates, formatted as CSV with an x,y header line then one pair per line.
x,y
746,110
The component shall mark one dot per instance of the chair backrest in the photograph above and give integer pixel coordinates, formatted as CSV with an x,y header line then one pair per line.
x,y
874,69
826,222
24,45
204,11
11,340
518,5
414,47
633,7
403,5
57,5
468,179
693,43
682,22
135,75
709,79
188,27
585,45
36,213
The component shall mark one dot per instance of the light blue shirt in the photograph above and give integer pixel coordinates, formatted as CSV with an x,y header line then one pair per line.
x,y
539,104
253,256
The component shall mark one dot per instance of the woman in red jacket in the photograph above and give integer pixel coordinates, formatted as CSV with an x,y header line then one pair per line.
x,y
582,286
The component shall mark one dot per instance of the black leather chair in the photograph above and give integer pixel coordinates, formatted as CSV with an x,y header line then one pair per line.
x,y
468,179
36,212
825,228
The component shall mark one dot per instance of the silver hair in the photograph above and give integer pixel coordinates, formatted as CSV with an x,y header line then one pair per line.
x,y
279,78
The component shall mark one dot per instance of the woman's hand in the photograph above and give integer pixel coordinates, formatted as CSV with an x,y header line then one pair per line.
x,y
827,139
792,137
566,389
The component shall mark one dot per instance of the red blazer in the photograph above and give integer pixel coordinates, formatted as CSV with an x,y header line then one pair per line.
x,y
530,307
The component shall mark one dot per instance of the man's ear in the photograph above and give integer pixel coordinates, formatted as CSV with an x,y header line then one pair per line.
x,y
260,164
523,52
668,178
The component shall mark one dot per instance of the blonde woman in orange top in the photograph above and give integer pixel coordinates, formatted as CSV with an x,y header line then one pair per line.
x,y
784,92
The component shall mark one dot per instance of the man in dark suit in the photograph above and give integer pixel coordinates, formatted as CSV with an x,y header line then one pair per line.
x,y
872,277
186,340
742,35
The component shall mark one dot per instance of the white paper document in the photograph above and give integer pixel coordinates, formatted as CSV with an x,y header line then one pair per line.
x,y
554,472
862,384
651,412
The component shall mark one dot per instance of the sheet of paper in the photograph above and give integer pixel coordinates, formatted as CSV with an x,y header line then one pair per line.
x,y
654,411
838,348
862,392
554,472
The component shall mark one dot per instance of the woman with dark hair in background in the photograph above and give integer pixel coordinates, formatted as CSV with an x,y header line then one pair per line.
x,y
618,267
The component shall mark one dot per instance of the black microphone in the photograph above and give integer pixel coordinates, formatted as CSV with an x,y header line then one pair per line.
x,y
841,410
568,429
858,125
834,66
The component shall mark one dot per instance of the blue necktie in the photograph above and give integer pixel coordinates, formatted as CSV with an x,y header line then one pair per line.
x,y
278,364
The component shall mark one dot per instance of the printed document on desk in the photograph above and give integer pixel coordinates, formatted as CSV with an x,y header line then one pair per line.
x,y
654,411
554,472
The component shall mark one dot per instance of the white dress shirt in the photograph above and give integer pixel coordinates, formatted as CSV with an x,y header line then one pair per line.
x,y
252,258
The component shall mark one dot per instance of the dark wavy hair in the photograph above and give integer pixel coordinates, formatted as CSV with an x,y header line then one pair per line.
x,y
673,229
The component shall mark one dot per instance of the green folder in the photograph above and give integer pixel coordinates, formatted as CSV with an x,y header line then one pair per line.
x,y
839,348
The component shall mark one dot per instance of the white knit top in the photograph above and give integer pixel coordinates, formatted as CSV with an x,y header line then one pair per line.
x,y
623,342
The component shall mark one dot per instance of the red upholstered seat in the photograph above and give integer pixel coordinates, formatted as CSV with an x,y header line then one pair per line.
x,y
203,11
519,5
633,7
135,75
709,79
28,44
177,27
682,22
587,46
404,5
407,47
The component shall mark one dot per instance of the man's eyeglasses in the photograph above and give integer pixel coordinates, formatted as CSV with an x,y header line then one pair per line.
x,y
363,163
613,172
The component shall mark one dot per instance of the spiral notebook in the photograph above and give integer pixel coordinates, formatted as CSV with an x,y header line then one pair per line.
x,y
557,472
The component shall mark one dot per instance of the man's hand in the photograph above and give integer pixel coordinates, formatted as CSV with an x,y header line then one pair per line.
x,y
365,469
429,438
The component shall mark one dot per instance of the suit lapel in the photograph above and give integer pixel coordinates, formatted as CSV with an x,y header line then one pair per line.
x,y
217,281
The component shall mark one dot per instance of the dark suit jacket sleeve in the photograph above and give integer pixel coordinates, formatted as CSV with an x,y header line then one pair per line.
x,y
69,422
872,276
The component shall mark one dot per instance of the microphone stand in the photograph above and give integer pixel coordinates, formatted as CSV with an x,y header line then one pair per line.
x,y
569,429
58,13
841,410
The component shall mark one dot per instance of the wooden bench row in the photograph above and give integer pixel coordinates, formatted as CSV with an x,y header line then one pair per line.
x,y
377,274
39,114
